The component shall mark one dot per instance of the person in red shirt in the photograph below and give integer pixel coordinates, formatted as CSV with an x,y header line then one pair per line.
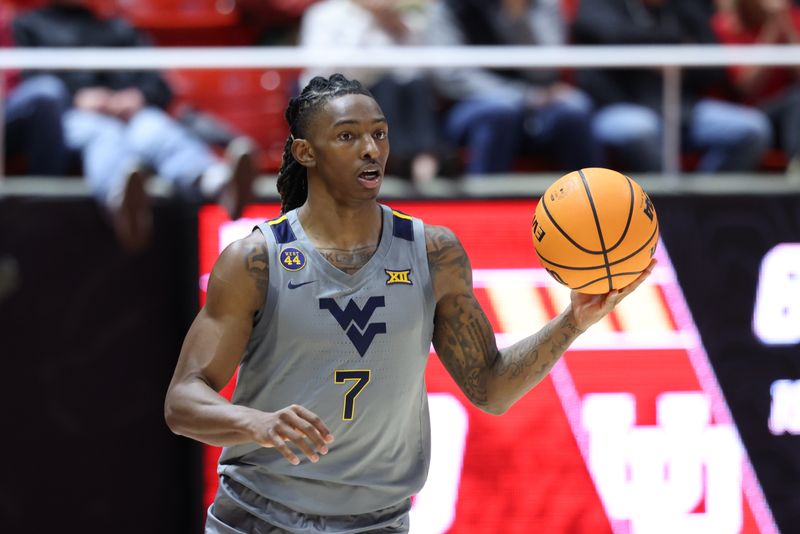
x,y
775,90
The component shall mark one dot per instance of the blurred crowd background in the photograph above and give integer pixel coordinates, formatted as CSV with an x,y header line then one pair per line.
x,y
444,122
211,132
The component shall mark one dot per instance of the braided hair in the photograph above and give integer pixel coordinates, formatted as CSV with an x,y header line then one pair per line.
x,y
292,177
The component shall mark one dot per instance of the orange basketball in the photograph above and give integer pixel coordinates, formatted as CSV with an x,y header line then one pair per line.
x,y
595,230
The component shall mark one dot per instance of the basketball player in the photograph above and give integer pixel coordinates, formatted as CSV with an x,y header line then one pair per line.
x,y
331,309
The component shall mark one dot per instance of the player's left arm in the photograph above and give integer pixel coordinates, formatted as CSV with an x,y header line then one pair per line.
x,y
494,379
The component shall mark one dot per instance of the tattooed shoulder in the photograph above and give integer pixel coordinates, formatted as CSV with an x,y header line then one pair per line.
x,y
256,261
447,260
241,273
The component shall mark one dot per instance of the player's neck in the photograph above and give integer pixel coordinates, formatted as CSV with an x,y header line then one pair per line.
x,y
343,227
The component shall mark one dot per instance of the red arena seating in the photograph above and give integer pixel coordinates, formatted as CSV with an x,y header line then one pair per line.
x,y
20,5
104,7
570,9
188,22
253,101
180,13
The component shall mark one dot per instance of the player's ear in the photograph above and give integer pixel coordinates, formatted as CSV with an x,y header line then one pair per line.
x,y
303,152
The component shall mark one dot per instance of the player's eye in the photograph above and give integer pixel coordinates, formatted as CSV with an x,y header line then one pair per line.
x,y
381,134
344,136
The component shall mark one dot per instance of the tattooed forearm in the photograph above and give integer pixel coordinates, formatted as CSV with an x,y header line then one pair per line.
x,y
257,265
518,360
464,338
349,261
532,358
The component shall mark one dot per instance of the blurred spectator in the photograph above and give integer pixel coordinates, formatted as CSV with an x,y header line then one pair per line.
x,y
730,137
116,120
775,90
405,96
34,111
32,115
499,113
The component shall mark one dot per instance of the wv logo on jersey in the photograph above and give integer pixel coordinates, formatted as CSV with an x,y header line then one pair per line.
x,y
398,277
355,321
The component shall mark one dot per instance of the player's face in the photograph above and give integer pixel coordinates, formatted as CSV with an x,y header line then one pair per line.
x,y
350,139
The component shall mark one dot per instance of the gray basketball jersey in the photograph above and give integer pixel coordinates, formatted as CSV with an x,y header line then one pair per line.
x,y
353,350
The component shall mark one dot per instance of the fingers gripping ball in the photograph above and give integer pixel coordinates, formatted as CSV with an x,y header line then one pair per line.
x,y
595,230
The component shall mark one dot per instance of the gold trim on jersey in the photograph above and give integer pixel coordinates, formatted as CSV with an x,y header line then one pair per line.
x,y
402,215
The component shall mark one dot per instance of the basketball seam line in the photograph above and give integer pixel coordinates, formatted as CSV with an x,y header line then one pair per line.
x,y
630,216
615,262
565,234
599,230
612,276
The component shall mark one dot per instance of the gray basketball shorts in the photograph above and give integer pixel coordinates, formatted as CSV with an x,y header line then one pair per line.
x,y
239,510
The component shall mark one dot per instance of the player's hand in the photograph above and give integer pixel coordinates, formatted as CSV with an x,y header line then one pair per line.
x,y
92,99
296,425
515,9
775,7
388,16
588,309
126,103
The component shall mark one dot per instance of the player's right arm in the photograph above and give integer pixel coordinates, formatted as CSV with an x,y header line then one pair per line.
x,y
211,352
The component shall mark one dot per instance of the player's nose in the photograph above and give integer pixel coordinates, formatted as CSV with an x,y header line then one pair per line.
x,y
369,148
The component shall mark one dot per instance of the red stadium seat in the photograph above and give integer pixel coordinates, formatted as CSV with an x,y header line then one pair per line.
x,y
19,5
180,13
173,22
774,160
103,7
252,101
188,22
570,10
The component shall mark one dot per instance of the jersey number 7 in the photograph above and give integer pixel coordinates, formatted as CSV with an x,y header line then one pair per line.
x,y
360,377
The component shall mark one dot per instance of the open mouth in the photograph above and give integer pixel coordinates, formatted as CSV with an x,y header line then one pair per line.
x,y
370,179
370,175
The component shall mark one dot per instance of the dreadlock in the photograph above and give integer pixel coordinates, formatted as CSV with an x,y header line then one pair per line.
x,y
292,177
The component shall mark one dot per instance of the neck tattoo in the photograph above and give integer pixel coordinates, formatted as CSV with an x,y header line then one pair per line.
x,y
348,261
